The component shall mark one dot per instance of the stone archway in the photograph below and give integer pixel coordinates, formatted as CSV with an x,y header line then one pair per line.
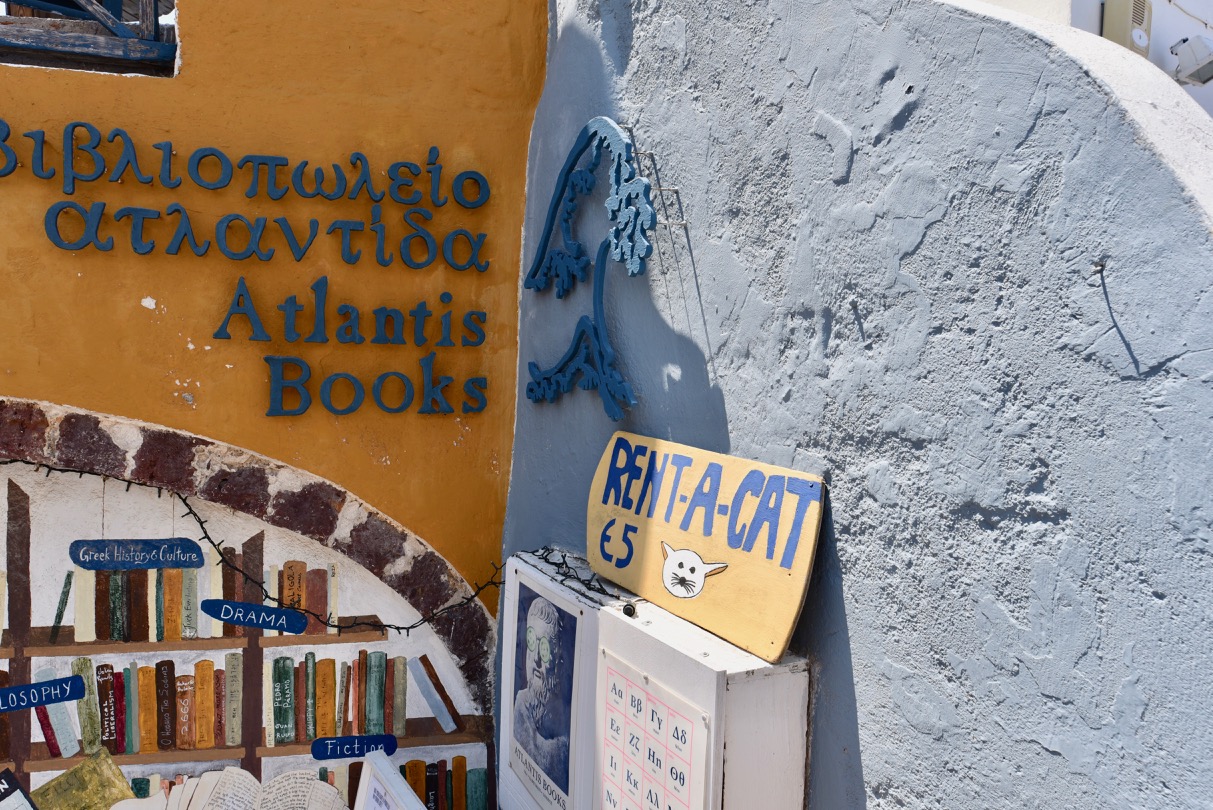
x,y
281,495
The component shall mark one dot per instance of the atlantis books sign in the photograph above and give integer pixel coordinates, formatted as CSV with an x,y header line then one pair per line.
x,y
723,542
396,229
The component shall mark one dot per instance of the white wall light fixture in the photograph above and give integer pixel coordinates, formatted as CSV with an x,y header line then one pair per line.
x,y
1195,54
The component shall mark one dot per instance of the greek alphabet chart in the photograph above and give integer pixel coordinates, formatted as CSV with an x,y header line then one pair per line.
x,y
653,748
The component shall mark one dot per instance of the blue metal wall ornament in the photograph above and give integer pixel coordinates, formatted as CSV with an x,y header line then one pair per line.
x,y
590,360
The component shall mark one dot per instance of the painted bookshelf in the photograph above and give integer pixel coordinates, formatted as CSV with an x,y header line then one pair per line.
x,y
21,644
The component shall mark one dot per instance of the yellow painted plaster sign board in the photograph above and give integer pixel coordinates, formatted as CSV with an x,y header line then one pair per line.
x,y
723,542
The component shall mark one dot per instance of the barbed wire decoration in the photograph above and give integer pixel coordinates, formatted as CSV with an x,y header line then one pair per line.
x,y
573,571
257,583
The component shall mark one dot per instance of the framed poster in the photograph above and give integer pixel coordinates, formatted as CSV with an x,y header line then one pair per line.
x,y
548,676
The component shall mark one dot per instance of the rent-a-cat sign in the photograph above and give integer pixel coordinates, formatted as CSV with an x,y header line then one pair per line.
x,y
702,534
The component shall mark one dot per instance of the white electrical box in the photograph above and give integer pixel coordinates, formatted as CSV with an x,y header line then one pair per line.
x,y
660,714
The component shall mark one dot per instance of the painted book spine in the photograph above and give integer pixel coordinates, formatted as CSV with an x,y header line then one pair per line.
x,y
252,559
433,693
48,732
414,774
228,576
234,699
459,783
267,702
309,685
355,690
186,731
147,709
107,707
431,786
355,777
478,789
341,781
166,705
376,671
362,656
316,597
172,604
204,592
271,585
326,697
87,710
389,688
101,602
61,609
284,700
84,608
136,601
300,703
118,621
343,702
332,600
204,706
189,603
157,605
61,722
294,586
120,711
220,714
215,575
400,690
441,793
131,679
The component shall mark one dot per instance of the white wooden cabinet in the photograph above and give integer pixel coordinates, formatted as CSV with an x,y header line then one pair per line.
x,y
664,715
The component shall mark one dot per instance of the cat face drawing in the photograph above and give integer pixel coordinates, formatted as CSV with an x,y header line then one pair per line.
x,y
684,572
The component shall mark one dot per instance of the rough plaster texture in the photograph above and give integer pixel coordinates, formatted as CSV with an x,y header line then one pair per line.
x,y
963,269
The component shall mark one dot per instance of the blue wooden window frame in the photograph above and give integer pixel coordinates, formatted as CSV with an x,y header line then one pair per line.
x,y
122,46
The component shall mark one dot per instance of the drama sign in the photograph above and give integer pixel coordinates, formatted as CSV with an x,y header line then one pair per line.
x,y
724,542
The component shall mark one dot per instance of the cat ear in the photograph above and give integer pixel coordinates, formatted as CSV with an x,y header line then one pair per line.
x,y
714,568
665,550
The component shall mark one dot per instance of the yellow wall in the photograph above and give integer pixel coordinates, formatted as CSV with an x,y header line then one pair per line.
x,y
306,80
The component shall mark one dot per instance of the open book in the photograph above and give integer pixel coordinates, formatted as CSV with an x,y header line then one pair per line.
x,y
236,789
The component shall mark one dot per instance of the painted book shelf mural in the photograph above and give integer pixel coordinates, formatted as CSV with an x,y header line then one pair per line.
x,y
174,694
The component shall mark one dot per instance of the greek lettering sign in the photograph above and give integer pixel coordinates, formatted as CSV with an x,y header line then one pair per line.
x,y
705,535
43,693
133,555
395,229
247,614
352,746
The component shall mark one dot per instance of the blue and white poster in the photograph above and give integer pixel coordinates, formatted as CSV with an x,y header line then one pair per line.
x,y
544,655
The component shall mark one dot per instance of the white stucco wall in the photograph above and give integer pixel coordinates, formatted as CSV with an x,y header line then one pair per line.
x,y
899,212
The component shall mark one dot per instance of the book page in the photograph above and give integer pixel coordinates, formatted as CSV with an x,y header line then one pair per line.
x,y
296,790
324,797
206,786
187,791
236,790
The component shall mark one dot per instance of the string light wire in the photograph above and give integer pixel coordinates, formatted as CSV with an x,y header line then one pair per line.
x,y
327,620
